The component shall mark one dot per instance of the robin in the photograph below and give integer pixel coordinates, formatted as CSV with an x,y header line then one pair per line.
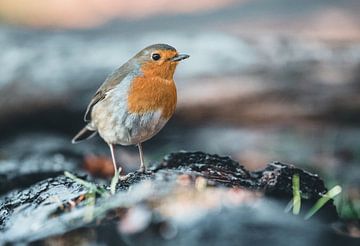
x,y
135,101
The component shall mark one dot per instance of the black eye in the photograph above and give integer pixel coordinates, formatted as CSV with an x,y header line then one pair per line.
x,y
155,56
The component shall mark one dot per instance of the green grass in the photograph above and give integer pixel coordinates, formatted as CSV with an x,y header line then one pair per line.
x,y
90,206
295,203
348,208
336,190
296,194
92,188
114,181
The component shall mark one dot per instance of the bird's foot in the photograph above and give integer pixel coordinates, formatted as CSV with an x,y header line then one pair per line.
x,y
142,170
124,177
127,176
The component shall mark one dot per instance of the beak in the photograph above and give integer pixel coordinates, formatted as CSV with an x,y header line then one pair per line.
x,y
179,57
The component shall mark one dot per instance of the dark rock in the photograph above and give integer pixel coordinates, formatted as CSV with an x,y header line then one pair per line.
x,y
189,198
33,205
275,180
220,170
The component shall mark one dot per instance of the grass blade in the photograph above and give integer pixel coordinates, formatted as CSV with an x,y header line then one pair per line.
x,y
80,181
114,181
296,194
289,206
90,207
91,187
336,190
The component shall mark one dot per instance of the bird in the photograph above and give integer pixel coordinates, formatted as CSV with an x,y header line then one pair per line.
x,y
135,101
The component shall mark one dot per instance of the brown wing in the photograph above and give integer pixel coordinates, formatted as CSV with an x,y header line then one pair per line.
x,y
96,98
111,81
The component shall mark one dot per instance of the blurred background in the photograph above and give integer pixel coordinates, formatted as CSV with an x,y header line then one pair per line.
x,y
268,80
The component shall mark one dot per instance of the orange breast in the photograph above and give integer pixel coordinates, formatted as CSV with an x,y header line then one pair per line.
x,y
148,94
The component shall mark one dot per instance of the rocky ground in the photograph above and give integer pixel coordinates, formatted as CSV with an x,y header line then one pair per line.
x,y
189,198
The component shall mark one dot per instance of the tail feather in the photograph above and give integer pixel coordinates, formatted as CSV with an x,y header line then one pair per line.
x,y
83,134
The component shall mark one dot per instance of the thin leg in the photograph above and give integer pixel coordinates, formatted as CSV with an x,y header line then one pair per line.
x,y
122,178
142,165
113,157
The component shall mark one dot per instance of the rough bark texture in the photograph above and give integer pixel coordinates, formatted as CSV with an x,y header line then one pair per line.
x,y
190,198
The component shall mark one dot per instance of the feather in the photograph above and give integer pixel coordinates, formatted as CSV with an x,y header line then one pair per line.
x,y
110,83
83,134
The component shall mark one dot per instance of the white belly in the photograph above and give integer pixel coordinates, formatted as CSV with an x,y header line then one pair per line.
x,y
115,125
138,128
128,129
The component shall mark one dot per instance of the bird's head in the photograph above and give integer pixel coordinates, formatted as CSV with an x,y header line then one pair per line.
x,y
159,60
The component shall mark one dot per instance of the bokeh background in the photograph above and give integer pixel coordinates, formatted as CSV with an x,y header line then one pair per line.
x,y
268,80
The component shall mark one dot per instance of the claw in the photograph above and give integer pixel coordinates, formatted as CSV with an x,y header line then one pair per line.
x,y
142,169
124,177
